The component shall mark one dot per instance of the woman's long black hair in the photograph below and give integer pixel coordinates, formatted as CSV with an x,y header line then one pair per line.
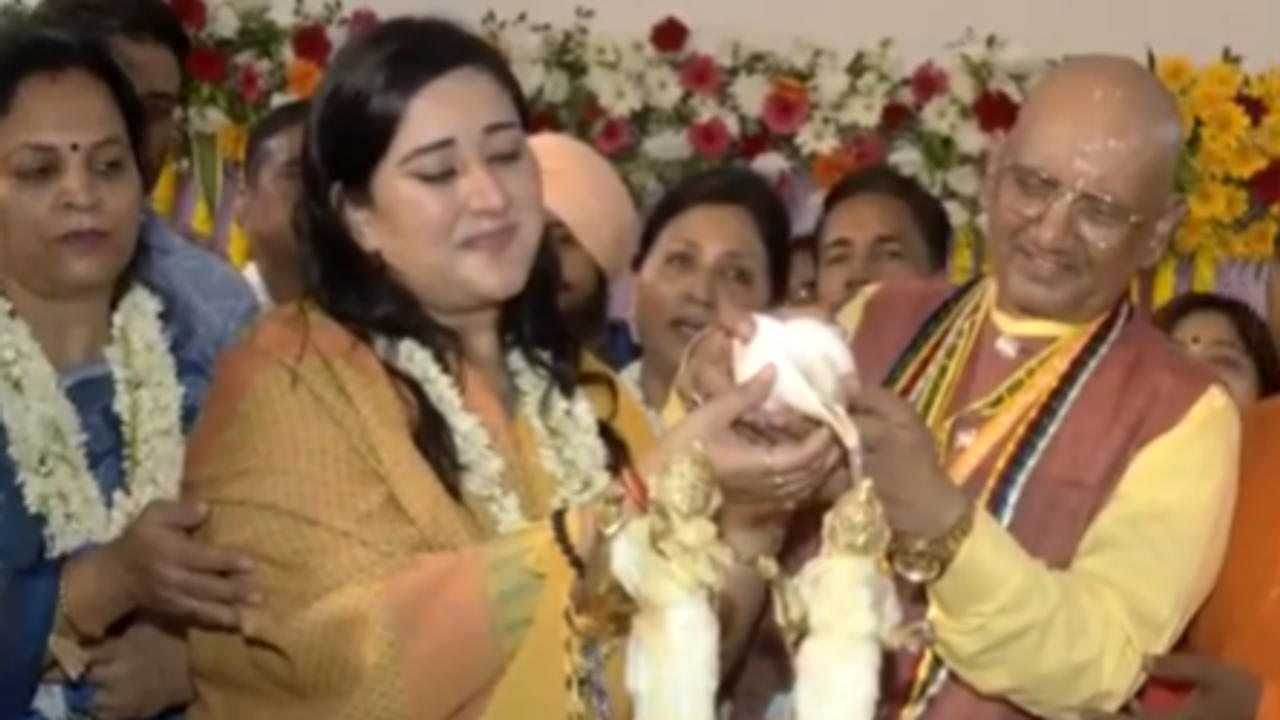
x,y
353,118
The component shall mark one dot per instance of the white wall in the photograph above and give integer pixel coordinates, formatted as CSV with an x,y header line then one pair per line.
x,y
1199,27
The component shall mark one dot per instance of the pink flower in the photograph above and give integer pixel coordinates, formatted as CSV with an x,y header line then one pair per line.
x,y
928,82
613,136
700,75
785,108
362,20
249,83
710,138
669,35
866,150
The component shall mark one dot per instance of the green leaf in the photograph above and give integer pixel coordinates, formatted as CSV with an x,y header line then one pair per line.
x,y
207,168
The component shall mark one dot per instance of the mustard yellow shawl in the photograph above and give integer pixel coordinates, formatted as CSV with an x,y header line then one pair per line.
x,y
384,598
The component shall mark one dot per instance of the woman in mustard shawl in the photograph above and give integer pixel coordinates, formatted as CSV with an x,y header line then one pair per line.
x,y
418,459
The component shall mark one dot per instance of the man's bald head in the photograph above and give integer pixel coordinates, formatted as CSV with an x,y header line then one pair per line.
x,y
1081,196
1108,104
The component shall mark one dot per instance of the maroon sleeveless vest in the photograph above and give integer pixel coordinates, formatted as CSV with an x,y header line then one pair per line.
x,y
1141,389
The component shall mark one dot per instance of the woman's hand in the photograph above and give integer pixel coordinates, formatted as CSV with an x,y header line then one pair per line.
x,y
140,674
164,570
774,475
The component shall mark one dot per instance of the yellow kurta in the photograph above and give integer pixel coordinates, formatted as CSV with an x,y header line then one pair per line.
x,y
384,598
1055,642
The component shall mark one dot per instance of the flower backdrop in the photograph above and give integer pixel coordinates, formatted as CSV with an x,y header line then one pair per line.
x,y
660,104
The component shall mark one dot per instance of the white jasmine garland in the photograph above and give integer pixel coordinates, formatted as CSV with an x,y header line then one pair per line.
x,y
46,441
565,430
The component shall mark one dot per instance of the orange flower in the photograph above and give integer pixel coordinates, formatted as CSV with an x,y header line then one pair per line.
x,y
829,168
304,77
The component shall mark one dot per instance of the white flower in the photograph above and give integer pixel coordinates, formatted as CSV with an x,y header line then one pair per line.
x,y
863,111
817,137
635,57
960,82
749,90
830,84
1006,84
667,146
47,442
705,108
532,75
963,180
556,86
957,213
969,138
941,115
662,87
726,53
908,160
771,165
223,21
618,95
207,119
246,7
564,430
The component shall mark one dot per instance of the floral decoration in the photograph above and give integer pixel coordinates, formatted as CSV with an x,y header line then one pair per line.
x,y
660,104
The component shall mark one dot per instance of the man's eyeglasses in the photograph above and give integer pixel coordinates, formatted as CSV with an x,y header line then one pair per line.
x,y
1100,220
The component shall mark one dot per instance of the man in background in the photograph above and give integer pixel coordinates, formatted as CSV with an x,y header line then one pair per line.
x,y
148,41
264,206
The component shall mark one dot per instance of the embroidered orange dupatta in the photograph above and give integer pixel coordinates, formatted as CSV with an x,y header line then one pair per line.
x,y
383,598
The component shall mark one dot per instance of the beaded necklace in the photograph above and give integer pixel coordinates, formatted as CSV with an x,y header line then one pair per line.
x,y
1028,409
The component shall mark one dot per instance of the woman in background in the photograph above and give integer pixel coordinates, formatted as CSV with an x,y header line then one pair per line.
x,y
1230,338
594,225
102,372
422,460
717,239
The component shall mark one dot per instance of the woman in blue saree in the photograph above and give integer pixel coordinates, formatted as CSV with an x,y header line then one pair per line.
x,y
103,363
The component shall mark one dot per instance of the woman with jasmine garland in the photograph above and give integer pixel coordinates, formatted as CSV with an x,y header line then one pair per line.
x,y
101,374
421,459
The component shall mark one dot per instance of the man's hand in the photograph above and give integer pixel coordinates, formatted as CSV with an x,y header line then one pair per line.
x,y
140,674
899,456
1217,691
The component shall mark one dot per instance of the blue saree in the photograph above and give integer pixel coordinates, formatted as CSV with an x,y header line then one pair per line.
x,y
206,304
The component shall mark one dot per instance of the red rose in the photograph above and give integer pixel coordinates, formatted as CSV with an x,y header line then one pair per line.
x,y
669,35
995,111
785,109
700,75
895,116
710,138
928,82
1253,107
613,136
311,42
193,13
866,150
362,20
249,83
207,65
1266,185
544,119
753,145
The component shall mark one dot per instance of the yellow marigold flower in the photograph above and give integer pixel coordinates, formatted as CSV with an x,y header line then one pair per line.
x,y
232,139
1191,236
1266,87
1260,237
1243,160
1220,81
1176,72
1188,118
1211,159
1268,135
1216,202
1224,120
